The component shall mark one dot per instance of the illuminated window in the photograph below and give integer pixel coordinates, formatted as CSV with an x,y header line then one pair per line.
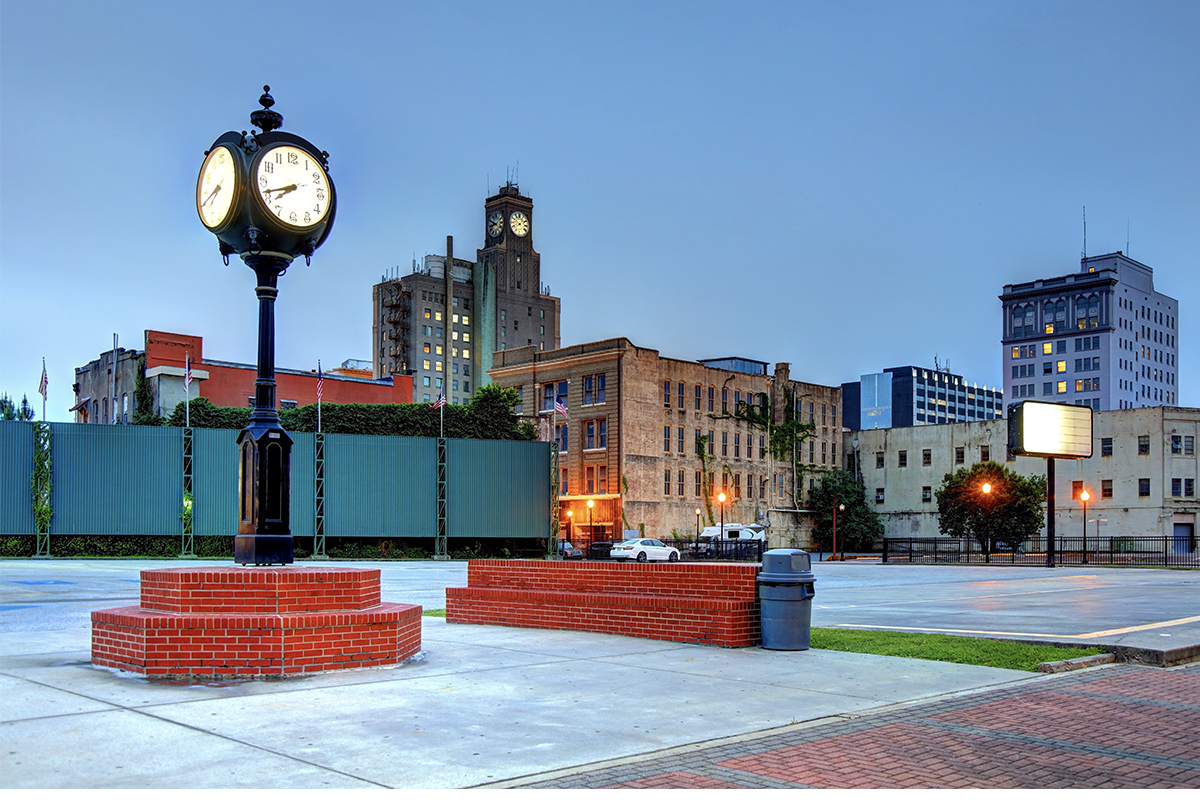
x,y
425,363
437,366
1047,348
1062,387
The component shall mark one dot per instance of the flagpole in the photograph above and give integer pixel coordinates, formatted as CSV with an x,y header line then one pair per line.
x,y
320,377
187,390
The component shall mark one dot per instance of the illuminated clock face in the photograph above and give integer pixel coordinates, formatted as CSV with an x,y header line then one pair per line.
x,y
519,223
495,224
293,186
216,187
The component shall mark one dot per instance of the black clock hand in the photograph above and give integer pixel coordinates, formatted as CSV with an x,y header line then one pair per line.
x,y
211,195
282,190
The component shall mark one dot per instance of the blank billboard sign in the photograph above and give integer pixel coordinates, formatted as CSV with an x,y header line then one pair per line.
x,y
1050,430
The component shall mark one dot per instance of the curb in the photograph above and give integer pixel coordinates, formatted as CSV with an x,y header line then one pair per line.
x,y
1071,664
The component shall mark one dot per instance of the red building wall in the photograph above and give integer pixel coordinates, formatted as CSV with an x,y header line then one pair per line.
x,y
232,384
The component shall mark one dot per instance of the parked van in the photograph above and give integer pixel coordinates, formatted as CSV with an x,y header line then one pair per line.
x,y
714,541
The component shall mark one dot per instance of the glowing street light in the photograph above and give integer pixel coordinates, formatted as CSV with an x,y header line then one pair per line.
x,y
697,523
591,530
987,508
721,503
570,514
837,508
1084,496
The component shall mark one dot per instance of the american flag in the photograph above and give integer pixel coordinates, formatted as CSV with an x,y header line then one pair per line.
x,y
187,370
559,408
441,401
320,380
44,383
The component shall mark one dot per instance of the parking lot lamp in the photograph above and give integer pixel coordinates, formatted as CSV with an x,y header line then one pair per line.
x,y
1084,496
837,508
697,523
721,503
591,531
570,513
987,507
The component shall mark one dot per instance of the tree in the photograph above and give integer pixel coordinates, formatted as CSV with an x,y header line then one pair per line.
x,y
10,410
1010,511
858,527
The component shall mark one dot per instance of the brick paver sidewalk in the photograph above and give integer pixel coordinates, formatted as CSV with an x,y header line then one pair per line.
x,y
1116,727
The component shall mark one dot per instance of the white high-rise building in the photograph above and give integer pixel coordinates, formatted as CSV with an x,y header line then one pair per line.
x,y
1101,337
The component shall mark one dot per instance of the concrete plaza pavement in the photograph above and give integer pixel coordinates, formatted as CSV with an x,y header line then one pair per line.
x,y
487,705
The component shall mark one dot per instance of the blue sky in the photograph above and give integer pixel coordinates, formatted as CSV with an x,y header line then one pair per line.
x,y
845,186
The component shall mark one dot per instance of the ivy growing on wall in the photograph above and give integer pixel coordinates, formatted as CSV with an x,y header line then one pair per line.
x,y
42,487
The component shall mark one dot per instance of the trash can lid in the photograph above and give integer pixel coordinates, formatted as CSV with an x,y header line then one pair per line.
x,y
792,566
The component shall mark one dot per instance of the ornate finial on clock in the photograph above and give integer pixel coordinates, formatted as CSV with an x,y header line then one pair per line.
x,y
264,118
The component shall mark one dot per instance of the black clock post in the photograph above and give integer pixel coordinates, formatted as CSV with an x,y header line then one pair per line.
x,y
268,199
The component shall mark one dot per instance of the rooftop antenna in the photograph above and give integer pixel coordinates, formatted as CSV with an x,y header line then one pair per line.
x,y
1083,253
1127,236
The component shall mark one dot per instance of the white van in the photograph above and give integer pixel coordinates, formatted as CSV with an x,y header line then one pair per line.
x,y
733,532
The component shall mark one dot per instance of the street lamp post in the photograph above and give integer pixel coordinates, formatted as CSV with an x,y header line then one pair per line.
x,y
697,524
837,508
591,530
721,503
987,508
1084,496
570,514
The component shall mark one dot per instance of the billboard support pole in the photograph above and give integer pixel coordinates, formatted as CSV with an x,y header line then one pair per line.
x,y
1049,512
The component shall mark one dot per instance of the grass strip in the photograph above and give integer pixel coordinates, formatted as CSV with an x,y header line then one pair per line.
x,y
942,647
434,612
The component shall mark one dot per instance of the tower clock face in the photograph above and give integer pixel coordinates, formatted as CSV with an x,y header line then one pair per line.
x,y
519,223
495,224
216,187
292,186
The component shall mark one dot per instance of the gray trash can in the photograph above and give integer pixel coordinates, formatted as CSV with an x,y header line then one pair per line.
x,y
785,592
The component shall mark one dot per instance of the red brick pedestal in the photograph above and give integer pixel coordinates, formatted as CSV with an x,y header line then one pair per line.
x,y
255,621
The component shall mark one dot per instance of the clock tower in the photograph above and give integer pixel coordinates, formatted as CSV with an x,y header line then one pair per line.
x,y
526,313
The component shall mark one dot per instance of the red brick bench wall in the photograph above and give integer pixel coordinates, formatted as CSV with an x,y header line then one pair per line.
x,y
702,603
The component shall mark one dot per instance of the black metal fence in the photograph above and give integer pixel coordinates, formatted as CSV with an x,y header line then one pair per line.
x,y
1132,551
696,550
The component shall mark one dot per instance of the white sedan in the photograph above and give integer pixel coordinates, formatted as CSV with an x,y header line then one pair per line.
x,y
644,550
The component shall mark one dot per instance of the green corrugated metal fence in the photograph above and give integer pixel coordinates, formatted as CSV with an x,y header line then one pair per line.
x,y
16,476
119,479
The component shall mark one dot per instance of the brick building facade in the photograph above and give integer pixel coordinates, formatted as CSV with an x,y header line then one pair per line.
x,y
224,383
629,442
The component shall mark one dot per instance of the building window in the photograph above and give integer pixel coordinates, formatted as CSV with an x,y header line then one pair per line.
x,y
666,394
602,425
824,453
762,446
985,452
667,482
698,396
1189,487
600,381
563,487
679,448
725,444
589,435
602,479
902,460
711,391
879,495
960,455
562,438
1176,487
680,483
737,486
589,480
1106,489
737,445
712,442
1176,445
1106,446
1143,445
699,483
1061,387
724,401
1189,445
879,460
666,438
1076,489
926,494
926,458
589,389
681,397
1143,487
287,404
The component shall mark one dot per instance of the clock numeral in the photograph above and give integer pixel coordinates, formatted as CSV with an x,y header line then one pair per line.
x,y
269,167
292,216
317,178
317,208
293,158
307,217
320,195
279,211
278,158
221,157
262,181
